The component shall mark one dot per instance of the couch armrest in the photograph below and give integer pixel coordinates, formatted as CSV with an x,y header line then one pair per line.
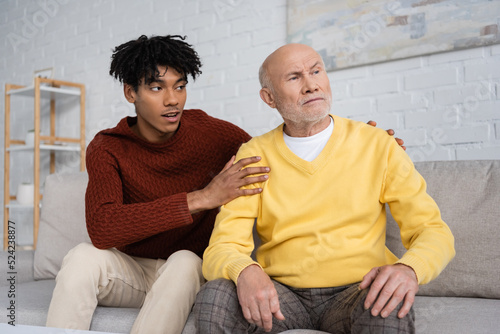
x,y
23,266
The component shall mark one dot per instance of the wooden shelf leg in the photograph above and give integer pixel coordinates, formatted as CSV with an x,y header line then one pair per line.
x,y
36,164
6,175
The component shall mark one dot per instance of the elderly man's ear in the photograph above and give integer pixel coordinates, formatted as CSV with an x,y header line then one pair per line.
x,y
267,96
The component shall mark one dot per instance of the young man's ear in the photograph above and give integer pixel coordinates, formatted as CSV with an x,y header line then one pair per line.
x,y
129,92
267,96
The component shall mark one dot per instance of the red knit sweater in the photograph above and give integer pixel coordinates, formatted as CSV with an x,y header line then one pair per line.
x,y
136,195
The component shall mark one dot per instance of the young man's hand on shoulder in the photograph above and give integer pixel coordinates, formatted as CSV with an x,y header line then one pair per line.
x,y
226,186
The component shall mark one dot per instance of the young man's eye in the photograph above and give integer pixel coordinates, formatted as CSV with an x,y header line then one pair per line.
x,y
155,88
180,87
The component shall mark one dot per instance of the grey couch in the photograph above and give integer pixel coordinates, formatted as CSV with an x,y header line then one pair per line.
x,y
465,298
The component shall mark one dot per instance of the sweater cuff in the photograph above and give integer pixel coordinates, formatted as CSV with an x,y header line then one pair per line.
x,y
235,268
414,263
177,210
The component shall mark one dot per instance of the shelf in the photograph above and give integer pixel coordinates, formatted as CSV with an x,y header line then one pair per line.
x,y
45,91
45,147
15,205
52,90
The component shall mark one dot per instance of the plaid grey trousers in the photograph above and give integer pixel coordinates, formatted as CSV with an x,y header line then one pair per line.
x,y
333,310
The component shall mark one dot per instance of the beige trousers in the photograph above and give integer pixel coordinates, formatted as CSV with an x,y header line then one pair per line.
x,y
165,290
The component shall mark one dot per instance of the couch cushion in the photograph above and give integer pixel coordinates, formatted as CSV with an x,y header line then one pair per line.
x,y
32,304
467,193
62,221
32,301
451,315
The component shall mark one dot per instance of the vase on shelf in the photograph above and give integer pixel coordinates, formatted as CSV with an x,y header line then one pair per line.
x,y
25,193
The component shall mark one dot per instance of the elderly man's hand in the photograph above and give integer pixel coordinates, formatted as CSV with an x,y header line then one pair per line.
x,y
389,285
391,133
258,297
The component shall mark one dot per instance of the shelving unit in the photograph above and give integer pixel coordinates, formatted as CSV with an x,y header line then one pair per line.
x,y
42,89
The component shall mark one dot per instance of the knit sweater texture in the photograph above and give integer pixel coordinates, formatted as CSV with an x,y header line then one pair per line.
x,y
322,223
136,198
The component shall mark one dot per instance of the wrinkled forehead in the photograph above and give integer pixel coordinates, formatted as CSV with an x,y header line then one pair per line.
x,y
293,58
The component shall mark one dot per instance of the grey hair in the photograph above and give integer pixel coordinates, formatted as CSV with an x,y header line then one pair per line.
x,y
264,79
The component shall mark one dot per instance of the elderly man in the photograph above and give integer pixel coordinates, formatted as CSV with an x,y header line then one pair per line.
x,y
323,263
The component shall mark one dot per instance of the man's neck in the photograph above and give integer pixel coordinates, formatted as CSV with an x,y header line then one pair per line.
x,y
306,129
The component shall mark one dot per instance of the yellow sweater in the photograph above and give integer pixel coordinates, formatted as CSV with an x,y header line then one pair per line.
x,y
322,223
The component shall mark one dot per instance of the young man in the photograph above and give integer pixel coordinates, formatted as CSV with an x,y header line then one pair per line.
x,y
323,263
153,193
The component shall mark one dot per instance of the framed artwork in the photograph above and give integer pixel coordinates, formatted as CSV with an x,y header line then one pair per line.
x,y
359,32
46,73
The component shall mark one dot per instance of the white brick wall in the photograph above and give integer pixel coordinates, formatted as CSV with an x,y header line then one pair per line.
x,y
446,106
430,79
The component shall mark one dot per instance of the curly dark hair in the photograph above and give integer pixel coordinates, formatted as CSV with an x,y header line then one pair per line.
x,y
139,59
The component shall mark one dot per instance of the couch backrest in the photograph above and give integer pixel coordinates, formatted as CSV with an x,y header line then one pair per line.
x,y
468,195
62,221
